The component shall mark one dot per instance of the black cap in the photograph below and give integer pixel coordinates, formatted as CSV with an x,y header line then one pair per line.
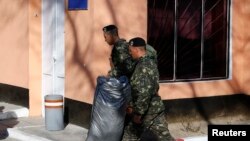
x,y
137,42
109,28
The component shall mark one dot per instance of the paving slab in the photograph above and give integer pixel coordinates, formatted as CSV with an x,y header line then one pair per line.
x,y
8,111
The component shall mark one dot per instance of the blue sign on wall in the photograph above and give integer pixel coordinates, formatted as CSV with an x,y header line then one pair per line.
x,y
77,4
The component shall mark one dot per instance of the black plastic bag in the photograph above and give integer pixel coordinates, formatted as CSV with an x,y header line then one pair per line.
x,y
109,109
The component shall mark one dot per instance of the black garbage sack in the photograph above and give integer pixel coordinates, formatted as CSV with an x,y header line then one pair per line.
x,y
109,109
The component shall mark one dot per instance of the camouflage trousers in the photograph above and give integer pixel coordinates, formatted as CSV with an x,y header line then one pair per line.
x,y
153,128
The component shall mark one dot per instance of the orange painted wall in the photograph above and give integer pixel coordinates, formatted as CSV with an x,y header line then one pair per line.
x,y
35,58
241,44
14,42
20,48
87,54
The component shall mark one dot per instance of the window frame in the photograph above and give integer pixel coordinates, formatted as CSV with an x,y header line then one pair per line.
x,y
228,70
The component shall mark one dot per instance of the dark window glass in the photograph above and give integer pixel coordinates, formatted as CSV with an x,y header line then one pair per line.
x,y
191,38
215,39
161,34
188,39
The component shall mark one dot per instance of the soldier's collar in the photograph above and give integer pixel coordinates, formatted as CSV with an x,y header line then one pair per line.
x,y
119,41
142,57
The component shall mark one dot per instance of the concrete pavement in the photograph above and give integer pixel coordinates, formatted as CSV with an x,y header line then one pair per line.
x,y
23,128
33,129
8,111
15,125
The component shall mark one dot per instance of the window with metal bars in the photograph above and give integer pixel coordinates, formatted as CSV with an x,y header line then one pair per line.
x,y
191,38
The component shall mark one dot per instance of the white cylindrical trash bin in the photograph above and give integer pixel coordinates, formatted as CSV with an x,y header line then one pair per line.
x,y
54,112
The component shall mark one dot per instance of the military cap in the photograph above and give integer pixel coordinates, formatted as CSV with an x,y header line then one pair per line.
x,y
109,28
137,42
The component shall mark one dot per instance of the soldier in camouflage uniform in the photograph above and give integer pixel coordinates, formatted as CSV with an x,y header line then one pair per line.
x,y
146,107
151,52
120,60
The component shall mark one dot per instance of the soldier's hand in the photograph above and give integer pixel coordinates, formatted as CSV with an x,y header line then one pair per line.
x,y
137,119
129,110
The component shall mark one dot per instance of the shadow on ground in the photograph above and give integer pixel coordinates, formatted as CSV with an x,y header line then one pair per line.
x,y
6,122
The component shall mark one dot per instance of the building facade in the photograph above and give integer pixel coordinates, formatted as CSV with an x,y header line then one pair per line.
x,y
37,33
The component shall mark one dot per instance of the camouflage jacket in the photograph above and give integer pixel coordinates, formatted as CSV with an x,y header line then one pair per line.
x,y
121,59
151,52
145,85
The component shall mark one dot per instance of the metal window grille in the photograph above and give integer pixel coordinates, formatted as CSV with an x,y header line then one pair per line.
x,y
191,38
